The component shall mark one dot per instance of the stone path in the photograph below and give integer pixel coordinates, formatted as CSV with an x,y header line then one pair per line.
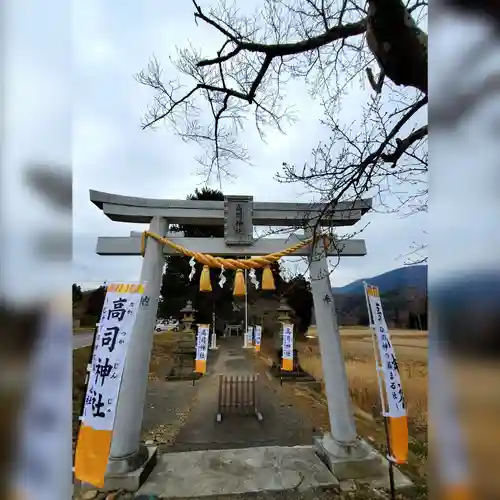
x,y
238,472
282,424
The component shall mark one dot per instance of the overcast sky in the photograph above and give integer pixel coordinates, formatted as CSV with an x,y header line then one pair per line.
x,y
111,153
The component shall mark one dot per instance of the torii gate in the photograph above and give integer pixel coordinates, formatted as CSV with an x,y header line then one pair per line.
x,y
238,214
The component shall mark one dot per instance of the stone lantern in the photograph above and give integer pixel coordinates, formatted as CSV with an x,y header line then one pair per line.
x,y
188,317
284,312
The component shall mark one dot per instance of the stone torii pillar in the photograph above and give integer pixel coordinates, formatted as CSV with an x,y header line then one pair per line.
x,y
340,448
126,454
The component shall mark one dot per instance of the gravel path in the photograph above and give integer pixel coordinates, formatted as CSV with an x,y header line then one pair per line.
x,y
167,407
282,424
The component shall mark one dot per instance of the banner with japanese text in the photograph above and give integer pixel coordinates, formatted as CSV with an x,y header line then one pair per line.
x,y
393,402
287,347
108,359
249,341
258,337
202,348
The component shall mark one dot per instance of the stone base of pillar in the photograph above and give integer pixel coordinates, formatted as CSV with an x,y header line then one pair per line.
x,y
130,473
360,462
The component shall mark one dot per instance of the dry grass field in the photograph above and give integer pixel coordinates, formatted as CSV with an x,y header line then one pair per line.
x,y
411,352
357,345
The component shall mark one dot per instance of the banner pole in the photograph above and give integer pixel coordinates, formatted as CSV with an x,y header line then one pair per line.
x,y
87,374
391,463
245,340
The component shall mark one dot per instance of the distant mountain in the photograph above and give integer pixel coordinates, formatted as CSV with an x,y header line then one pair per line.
x,y
402,278
404,298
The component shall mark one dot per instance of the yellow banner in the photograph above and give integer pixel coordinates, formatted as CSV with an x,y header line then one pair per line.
x,y
126,288
91,457
258,337
202,338
200,366
287,348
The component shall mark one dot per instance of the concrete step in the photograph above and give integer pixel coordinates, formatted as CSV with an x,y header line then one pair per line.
x,y
270,472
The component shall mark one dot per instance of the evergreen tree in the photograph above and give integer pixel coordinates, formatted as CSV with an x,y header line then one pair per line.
x,y
299,297
176,288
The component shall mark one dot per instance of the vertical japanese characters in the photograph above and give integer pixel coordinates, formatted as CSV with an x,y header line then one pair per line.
x,y
239,219
202,348
287,348
108,359
115,326
249,342
258,337
394,399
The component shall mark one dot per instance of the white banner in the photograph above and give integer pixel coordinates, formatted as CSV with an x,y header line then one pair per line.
x,y
394,391
288,342
110,350
202,342
258,334
249,335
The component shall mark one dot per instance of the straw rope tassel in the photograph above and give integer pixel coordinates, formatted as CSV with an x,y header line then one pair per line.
x,y
209,261
240,288
205,284
268,279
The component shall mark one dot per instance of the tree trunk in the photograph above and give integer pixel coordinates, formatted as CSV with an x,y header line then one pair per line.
x,y
399,46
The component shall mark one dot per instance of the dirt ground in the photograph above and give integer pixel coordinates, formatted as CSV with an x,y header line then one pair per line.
x,y
411,351
410,345
161,362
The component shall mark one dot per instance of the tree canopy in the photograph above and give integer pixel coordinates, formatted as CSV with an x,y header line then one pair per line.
x,y
95,301
176,287
76,292
299,297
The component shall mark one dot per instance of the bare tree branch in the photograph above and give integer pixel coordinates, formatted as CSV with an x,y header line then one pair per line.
x,y
286,49
404,144
329,44
305,34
